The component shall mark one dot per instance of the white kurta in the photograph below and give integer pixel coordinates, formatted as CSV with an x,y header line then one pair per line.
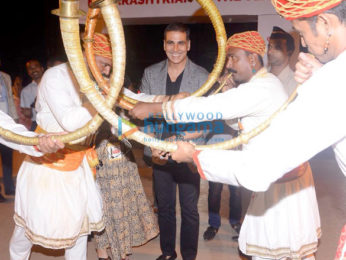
x,y
310,124
56,207
286,76
253,102
7,123
274,226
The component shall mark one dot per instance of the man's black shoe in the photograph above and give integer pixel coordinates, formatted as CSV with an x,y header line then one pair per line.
x,y
210,233
2,198
166,257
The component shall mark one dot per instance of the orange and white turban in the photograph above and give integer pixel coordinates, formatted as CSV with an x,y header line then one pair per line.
x,y
294,9
250,41
102,46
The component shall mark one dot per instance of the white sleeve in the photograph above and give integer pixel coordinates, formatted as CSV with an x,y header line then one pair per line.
x,y
340,154
234,103
7,123
60,95
310,124
140,96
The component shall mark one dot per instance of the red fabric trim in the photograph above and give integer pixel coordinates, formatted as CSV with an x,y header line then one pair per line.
x,y
199,168
342,245
36,148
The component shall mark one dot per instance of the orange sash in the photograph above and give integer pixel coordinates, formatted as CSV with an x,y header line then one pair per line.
x,y
293,174
69,158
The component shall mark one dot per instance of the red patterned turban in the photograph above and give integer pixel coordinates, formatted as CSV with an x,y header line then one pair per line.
x,y
250,41
294,9
102,46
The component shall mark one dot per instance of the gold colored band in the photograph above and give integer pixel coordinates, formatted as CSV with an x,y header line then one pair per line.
x,y
69,9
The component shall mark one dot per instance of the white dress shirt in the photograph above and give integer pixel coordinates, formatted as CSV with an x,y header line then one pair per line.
x,y
286,76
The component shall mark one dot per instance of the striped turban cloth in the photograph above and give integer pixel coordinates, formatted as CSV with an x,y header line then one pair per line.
x,y
102,46
294,9
250,41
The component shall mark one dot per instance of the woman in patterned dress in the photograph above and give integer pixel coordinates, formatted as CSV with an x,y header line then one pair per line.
x,y
129,219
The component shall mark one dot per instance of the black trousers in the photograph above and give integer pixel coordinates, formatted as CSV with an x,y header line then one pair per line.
x,y
166,179
214,200
6,157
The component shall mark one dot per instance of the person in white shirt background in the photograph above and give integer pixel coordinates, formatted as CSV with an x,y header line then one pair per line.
x,y
280,50
29,92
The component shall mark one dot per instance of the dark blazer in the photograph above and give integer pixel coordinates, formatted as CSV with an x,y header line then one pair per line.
x,y
155,78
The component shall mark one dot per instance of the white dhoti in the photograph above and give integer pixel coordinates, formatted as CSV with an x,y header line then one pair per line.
x,y
284,221
55,207
21,247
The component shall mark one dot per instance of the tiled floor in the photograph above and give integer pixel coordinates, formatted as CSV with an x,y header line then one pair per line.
x,y
331,193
